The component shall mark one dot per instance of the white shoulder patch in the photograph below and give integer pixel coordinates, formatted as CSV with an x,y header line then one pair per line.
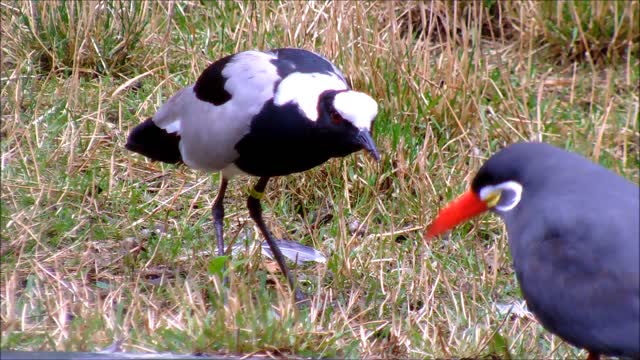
x,y
250,79
358,108
304,89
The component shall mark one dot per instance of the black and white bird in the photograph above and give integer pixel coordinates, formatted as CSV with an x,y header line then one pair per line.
x,y
262,114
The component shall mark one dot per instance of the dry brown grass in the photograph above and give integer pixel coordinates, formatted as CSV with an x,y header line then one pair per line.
x,y
99,244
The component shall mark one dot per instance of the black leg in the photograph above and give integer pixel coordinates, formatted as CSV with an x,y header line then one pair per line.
x,y
218,218
255,210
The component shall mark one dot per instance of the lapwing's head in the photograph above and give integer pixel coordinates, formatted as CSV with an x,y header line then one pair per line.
x,y
348,115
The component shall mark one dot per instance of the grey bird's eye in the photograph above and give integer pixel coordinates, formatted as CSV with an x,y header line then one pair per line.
x,y
509,192
510,195
507,198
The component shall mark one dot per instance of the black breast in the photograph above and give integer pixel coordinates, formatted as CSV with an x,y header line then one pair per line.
x,y
282,141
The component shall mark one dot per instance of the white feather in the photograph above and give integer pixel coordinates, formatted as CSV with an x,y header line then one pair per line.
x,y
173,127
358,108
292,250
168,117
231,171
250,78
511,186
304,89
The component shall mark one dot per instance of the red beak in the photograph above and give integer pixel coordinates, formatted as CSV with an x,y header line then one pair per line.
x,y
463,208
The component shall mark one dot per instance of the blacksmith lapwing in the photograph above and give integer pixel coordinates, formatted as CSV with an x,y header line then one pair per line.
x,y
262,114
574,235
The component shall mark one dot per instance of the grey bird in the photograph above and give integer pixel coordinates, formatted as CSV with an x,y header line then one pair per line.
x,y
264,114
573,229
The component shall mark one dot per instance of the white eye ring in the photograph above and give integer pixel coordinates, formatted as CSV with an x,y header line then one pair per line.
x,y
512,186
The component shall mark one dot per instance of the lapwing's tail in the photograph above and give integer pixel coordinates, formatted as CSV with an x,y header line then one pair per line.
x,y
154,142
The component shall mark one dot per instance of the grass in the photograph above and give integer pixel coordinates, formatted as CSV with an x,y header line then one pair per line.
x,y
100,245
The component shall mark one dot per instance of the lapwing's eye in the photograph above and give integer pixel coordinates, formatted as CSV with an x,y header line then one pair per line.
x,y
335,117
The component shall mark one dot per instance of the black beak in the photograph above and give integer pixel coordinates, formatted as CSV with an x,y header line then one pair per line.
x,y
364,138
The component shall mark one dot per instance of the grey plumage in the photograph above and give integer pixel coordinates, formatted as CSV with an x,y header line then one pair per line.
x,y
575,242
574,235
